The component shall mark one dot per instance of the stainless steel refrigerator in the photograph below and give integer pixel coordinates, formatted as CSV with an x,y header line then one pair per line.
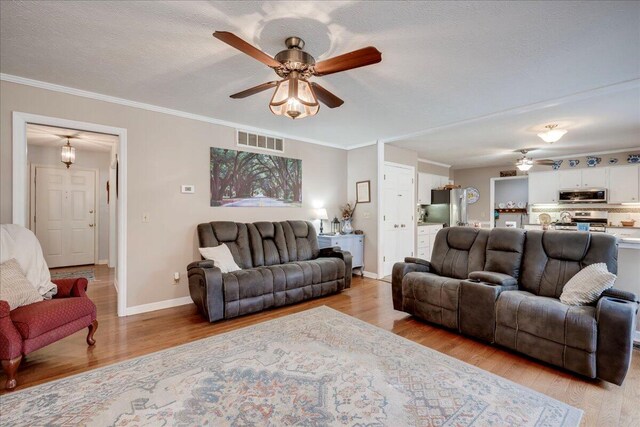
x,y
448,207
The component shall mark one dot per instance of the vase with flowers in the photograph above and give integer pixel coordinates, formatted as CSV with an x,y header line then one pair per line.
x,y
347,212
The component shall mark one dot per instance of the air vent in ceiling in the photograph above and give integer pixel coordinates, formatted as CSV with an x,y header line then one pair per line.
x,y
262,142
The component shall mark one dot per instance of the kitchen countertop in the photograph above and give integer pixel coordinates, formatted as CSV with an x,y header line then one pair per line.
x,y
429,223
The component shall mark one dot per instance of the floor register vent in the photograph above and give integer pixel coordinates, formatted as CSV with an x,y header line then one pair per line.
x,y
262,142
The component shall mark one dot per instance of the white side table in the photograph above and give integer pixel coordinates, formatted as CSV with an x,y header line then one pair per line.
x,y
353,243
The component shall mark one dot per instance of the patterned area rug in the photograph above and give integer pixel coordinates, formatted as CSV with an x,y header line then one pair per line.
x,y
87,274
318,367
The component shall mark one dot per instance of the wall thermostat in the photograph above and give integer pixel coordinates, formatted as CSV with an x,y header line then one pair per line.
x,y
188,189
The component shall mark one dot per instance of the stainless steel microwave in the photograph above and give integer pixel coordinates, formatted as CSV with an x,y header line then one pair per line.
x,y
583,195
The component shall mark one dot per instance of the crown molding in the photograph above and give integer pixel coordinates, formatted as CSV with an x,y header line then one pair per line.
x,y
150,107
431,162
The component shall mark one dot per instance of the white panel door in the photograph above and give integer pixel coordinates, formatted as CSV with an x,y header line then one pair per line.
x,y
398,209
65,215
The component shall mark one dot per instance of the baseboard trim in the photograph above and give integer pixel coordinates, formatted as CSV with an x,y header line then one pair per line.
x,y
370,275
160,305
115,284
102,261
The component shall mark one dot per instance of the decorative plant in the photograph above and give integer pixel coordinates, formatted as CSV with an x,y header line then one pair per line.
x,y
347,210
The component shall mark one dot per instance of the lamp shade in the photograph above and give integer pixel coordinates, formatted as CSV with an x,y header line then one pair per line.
x,y
321,214
294,98
68,154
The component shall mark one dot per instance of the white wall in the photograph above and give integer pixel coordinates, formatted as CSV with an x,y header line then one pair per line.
x,y
362,165
165,151
43,155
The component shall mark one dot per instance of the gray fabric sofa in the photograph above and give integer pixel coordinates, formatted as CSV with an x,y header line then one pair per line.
x,y
503,286
280,264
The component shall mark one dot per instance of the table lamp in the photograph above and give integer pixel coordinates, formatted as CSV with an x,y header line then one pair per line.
x,y
321,214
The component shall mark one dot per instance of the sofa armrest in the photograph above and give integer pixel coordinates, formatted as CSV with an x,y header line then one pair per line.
x,y
205,287
75,287
207,263
10,338
413,260
617,293
336,252
492,278
477,307
616,319
401,269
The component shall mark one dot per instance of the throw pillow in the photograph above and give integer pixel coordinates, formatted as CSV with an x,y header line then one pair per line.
x,y
587,285
15,289
221,257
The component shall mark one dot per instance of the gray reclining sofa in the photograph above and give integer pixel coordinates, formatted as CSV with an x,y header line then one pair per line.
x,y
280,265
503,286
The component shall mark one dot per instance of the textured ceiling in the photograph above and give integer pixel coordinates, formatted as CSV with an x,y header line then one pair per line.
x,y
443,62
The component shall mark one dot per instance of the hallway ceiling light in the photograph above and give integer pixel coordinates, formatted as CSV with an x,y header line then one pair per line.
x,y
552,134
68,154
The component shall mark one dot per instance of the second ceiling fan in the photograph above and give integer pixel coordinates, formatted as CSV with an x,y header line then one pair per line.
x,y
295,96
525,163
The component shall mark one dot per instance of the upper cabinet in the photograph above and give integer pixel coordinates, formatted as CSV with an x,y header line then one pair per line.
x,y
543,187
428,182
583,178
624,184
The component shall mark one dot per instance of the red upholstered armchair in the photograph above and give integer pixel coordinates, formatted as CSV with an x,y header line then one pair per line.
x,y
30,327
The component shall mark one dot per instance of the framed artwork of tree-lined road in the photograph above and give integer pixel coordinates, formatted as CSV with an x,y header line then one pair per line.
x,y
244,179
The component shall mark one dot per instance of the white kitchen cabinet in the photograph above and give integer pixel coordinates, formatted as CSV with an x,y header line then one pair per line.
x,y
583,178
428,182
543,187
624,184
595,177
426,238
571,178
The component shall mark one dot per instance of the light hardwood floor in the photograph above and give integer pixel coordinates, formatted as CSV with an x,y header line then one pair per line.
x,y
369,300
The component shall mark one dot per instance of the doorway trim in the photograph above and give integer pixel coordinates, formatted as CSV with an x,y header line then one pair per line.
x,y
32,203
492,195
21,182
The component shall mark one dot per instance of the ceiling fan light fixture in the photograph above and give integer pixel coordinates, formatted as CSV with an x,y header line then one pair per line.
x,y
68,154
294,98
552,134
524,164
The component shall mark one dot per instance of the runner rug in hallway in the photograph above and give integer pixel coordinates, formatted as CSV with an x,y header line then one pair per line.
x,y
317,367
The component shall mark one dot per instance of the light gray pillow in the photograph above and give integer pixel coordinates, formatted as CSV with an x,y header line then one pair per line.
x,y
15,288
221,257
587,285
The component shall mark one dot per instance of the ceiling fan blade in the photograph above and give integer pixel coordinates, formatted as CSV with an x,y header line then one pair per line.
x,y
358,58
545,162
326,97
254,90
235,41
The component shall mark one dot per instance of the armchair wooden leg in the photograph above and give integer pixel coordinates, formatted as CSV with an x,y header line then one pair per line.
x,y
10,368
92,330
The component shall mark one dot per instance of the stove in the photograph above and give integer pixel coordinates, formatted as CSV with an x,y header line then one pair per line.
x,y
597,221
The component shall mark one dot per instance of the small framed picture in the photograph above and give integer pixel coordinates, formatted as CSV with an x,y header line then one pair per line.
x,y
363,192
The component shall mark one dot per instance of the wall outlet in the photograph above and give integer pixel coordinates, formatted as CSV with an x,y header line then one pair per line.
x,y
366,214
145,217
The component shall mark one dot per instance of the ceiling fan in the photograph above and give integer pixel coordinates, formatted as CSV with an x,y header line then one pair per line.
x,y
295,96
525,163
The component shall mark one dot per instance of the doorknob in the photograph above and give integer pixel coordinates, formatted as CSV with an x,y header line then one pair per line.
x,y
90,225
91,211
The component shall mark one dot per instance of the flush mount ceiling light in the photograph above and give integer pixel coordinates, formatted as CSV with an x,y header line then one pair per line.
x,y
295,97
68,154
552,134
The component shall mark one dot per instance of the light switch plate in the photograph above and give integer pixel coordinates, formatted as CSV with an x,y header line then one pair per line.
x,y
188,189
